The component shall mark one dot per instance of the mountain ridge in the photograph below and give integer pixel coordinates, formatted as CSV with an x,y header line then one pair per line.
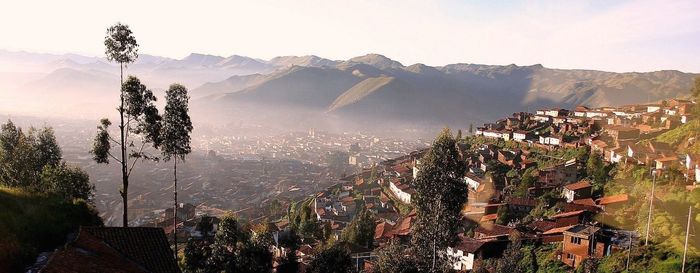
x,y
367,88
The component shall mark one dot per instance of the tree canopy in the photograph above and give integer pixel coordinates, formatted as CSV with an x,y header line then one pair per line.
x,y
120,44
440,196
33,161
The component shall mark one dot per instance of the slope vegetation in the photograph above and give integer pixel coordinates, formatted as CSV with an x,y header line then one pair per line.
x,y
33,223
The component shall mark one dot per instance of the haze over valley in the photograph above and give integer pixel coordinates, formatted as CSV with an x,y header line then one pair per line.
x,y
370,92
263,104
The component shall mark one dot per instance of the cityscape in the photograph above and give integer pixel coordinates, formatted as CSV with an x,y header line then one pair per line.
x,y
336,137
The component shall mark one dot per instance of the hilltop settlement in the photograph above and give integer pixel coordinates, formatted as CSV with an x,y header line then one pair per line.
x,y
552,181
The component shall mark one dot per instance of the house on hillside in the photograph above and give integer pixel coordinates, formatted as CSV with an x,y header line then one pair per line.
x,y
576,191
554,112
613,202
559,174
402,191
464,253
473,181
583,241
112,250
621,133
185,211
522,205
665,162
554,140
493,134
486,230
692,166
651,108
521,135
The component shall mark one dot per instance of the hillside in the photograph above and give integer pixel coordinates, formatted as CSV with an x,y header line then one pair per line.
x,y
32,223
230,85
684,138
299,86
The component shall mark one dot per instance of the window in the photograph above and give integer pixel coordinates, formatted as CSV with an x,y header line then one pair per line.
x,y
569,256
576,240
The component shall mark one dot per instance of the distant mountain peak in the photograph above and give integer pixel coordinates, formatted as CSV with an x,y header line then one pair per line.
x,y
377,60
306,60
238,60
423,69
196,56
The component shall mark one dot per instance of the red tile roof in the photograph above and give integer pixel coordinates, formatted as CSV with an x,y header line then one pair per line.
x,y
404,228
489,217
557,230
613,199
542,225
148,247
568,214
578,185
586,202
90,254
490,230
382,230
469,245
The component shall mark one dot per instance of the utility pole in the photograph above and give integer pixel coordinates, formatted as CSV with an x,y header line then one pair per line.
x,y
651,206
629,250
687,232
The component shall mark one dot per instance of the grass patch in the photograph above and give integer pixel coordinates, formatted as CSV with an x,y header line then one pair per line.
x,y
680,136
32,223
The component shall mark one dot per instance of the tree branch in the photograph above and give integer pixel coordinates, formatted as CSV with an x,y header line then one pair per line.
x,y
133,163
114,140
113,157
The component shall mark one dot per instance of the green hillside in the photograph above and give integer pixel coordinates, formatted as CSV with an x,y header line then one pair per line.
x,y
32,223
684,137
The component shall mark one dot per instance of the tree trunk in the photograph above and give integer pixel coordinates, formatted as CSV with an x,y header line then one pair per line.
x,y
175,218
125,175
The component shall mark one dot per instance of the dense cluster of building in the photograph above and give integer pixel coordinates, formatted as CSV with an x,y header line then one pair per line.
x,y
384,186
621,134
604,130
360,150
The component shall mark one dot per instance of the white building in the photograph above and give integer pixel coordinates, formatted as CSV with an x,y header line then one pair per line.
x,y
416,169
519,136
401,191
550,140
473,181
592,114
553,112
541,118
653,108
464,253
493,134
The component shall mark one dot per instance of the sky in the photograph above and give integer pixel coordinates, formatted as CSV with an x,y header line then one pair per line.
x,y
612,35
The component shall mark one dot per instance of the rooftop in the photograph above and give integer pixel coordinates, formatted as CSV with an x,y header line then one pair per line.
x,y
578,185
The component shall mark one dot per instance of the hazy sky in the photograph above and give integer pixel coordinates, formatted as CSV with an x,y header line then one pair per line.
x,y
604,34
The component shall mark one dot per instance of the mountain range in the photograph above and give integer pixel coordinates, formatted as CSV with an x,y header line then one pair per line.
x,y
310,91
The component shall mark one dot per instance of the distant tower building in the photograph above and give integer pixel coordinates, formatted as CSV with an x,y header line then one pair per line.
x,y
312,133
355,148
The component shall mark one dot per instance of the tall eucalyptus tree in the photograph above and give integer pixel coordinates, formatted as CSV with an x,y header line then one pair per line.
x,y
175,134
